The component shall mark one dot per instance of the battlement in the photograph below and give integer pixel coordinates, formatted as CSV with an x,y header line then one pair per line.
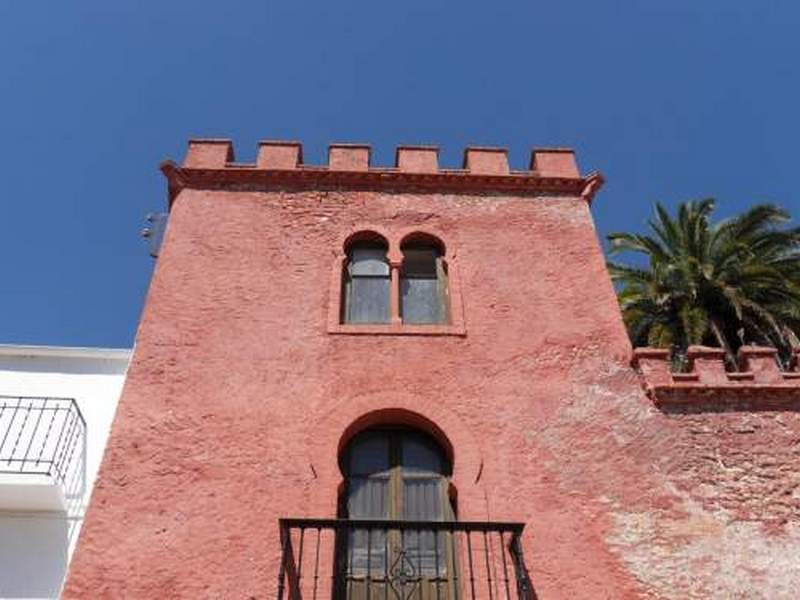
x,y
759,380
211,163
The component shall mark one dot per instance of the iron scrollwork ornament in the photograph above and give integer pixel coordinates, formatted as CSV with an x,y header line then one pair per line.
x,y
403,577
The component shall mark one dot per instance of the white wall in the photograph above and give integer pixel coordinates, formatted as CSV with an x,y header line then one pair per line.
x,y
35,546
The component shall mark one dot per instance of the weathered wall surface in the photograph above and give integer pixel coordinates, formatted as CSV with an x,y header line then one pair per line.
x,y
741,460
737,468
238,396
732,464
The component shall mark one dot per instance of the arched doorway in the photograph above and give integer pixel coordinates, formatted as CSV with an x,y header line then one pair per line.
x,y
398,475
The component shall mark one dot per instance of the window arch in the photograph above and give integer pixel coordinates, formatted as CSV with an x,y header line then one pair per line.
x,y
366,281
424,294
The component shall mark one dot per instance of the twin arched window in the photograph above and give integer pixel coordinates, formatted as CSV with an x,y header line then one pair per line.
x,y
420,283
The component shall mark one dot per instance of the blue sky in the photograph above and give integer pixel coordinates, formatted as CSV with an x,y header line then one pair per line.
x,y
671,100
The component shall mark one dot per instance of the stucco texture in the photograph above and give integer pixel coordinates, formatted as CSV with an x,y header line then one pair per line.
x,y
238,397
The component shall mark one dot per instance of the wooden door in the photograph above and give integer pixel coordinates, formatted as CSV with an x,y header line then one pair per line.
x,y
398,474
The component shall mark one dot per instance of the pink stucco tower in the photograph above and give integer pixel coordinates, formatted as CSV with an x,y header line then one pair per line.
x,y
411,382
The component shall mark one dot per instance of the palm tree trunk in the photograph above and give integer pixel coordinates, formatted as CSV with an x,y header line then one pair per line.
x,y
730,357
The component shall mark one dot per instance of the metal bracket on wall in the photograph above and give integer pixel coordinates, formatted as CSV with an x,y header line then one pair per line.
x,y
154,231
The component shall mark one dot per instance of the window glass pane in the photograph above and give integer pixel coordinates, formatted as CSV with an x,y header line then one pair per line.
x,y
368,261
420,300
420,262
420,456
368,300
369,455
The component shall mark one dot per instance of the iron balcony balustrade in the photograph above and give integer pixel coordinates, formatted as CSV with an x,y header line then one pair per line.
x,y
402,560
41,436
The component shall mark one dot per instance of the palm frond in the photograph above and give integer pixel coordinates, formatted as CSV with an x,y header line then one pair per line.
x,y
725,282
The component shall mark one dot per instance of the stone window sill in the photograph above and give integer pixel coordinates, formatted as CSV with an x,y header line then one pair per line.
x,y
397,329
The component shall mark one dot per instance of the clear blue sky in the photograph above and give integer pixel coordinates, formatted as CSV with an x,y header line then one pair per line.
x,y
671,100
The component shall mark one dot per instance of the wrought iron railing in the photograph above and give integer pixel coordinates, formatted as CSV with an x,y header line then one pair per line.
x,y
402,560
44,436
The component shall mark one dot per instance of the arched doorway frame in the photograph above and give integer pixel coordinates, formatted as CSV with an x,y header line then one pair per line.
x,y
331,430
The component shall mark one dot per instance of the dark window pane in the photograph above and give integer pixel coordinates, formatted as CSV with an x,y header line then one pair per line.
x,y
368,300
420,456
420,301
369,455
420,262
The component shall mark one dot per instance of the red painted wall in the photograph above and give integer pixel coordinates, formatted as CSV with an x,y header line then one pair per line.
x,y
238,397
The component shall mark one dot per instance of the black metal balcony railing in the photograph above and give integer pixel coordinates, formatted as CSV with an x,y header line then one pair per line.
x,y
42,436
402,560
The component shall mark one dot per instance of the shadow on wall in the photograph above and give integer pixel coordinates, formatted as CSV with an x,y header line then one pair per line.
x,y
33,555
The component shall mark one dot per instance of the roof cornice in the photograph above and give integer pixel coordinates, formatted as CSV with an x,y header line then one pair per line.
x,y
210,164
305,177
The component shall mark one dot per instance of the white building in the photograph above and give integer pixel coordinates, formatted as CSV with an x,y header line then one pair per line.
x,y
56,409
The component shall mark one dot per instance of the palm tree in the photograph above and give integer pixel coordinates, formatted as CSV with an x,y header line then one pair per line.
x,y
724,284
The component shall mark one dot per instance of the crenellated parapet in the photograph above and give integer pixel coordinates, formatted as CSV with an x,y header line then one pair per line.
x,y
759,378
210,163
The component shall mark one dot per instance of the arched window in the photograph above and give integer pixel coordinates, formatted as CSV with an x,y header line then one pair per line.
x,y
397,474
424,296
367,283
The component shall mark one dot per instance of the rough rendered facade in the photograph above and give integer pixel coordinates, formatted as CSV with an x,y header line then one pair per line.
x,y
246,386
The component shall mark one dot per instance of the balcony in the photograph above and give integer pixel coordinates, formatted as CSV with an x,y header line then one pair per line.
x,y
42,453
402,560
